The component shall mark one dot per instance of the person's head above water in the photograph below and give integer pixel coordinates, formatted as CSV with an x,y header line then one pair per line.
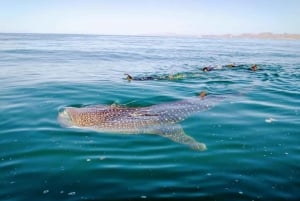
x,y
202,94
205,69
128,77
254,67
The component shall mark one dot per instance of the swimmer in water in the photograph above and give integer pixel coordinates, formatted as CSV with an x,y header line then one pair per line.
x,y
231,65
209,68
175,76
156,77
129,78
254,68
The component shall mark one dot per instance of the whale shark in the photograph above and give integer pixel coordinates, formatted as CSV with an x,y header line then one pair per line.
x,y
161,119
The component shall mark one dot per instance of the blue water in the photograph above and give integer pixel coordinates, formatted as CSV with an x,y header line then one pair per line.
x,y
252,138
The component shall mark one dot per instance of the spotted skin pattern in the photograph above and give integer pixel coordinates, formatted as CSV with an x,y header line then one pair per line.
x,y
158,119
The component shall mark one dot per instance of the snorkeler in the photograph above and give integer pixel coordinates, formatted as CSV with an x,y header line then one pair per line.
x,y
129,78
254,67
231,65
176,76
156,77
234,65
208,68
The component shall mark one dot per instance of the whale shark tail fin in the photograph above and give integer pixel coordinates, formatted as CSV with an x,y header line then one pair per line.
x,y
175,133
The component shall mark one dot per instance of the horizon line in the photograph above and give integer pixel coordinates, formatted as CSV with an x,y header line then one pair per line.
x,y
226,35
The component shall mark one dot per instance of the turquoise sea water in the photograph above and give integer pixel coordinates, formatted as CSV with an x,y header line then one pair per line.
x,y
252,138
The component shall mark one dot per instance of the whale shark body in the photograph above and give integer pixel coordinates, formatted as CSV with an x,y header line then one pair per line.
x,y
158,119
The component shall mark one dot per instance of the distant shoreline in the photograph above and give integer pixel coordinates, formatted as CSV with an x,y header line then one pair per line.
x,y
265,35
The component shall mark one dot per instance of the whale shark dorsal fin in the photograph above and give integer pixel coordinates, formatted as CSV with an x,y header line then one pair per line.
x,y
175,133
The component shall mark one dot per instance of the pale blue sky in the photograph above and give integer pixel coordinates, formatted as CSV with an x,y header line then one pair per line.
x,y
185,17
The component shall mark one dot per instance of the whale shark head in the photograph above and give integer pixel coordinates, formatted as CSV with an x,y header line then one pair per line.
x,y
64,117
74,117
95,117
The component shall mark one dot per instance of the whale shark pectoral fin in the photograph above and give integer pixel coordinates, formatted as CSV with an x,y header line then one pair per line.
x,y
176,133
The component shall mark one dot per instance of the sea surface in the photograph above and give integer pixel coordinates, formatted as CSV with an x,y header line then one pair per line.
x,y
252,137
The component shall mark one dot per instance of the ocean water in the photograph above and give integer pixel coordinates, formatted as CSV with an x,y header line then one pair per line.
x,y
252,138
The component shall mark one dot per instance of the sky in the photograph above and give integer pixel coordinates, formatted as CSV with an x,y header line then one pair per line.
x,y
150,17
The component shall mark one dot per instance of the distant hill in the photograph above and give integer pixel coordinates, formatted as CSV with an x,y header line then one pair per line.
x,y
265,35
